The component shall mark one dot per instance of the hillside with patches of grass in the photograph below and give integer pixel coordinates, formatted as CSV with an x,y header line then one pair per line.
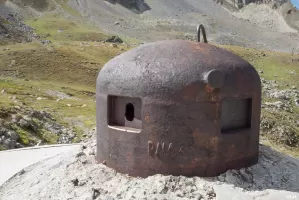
x,y
57,80
56,28
34,71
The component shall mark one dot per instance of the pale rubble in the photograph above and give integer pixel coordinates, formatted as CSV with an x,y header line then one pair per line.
x,y
282,103
279,95
291,72
283,97
283,94
76,175
60,95
276,104
268,18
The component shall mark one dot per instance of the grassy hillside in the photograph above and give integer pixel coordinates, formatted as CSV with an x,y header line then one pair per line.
x,y
30,70
59,78
56,28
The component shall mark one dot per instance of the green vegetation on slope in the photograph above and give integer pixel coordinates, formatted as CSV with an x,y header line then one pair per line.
x,y
60,79
72,69
75,63
56,28
64,5
281,67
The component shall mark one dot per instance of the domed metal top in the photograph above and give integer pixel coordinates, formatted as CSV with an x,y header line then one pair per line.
x,y
161,69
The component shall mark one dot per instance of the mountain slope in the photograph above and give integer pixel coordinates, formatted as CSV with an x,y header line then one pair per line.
x,y
179,18
47,93
272,26
66,49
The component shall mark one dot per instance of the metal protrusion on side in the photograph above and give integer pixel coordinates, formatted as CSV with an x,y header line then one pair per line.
x,y
203,33
214,78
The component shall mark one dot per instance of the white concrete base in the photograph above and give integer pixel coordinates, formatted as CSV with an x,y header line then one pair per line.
x,y
13,161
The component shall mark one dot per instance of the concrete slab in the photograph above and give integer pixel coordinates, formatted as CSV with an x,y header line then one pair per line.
x,y
225,192
13,161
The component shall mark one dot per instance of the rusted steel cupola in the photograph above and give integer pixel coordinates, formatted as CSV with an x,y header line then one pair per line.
x,y
178,107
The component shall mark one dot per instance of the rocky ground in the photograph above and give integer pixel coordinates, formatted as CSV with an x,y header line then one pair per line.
x,y
22,127
279,101
268,18
76,175
12,26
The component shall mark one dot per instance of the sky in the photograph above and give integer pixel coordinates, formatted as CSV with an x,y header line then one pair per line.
x,y
296,3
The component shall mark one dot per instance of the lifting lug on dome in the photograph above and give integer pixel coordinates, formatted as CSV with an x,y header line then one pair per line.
x,y
203,33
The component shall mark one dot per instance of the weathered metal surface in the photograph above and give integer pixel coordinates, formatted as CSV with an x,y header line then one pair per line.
x,y
188,123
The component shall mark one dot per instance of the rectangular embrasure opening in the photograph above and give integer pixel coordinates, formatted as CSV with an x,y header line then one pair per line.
x,y
235,114
124,113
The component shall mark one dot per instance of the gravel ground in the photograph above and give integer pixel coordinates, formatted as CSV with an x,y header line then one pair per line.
x,y
75,175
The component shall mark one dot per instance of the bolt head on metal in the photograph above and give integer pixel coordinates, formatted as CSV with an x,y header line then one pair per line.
x,y
215,78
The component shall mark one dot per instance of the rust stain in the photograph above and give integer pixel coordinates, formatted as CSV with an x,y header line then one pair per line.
x,y
200,47
214,141
197,47
147,118
213,94
196,137
195,160
196,133
209,89
190,92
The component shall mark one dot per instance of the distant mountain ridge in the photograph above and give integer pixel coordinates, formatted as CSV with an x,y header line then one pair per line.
x,y
242,3
169,19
